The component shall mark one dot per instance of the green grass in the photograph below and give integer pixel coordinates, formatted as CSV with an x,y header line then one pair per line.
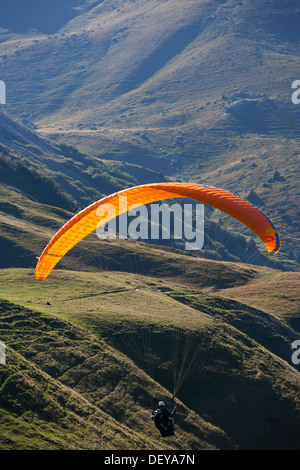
x,y
127,100
68,378
84,329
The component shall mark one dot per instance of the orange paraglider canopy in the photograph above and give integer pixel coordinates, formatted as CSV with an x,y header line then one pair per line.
x,y
86,221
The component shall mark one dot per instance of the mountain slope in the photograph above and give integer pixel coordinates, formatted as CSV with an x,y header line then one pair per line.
x,y
239,369
34,388
200,91
38,413
38,178
106,95
79,176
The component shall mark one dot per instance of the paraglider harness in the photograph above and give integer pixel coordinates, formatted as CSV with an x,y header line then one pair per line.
x,y
164,420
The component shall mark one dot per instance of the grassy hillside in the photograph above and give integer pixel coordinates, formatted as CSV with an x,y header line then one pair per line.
x,y
39,413
283,303
43,184
69,381
200,91
44,170
68,334
102,96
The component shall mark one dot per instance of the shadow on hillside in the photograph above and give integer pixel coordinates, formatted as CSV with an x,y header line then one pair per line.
x,y
161,55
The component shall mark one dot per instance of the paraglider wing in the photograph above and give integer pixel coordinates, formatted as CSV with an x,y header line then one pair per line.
x,y
86,221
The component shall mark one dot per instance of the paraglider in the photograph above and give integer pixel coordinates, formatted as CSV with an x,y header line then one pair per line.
x,y
87,221
164,419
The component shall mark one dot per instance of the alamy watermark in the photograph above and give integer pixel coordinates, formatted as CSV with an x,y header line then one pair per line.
x,y
2,92
152,222
296,354
2,353
296,94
